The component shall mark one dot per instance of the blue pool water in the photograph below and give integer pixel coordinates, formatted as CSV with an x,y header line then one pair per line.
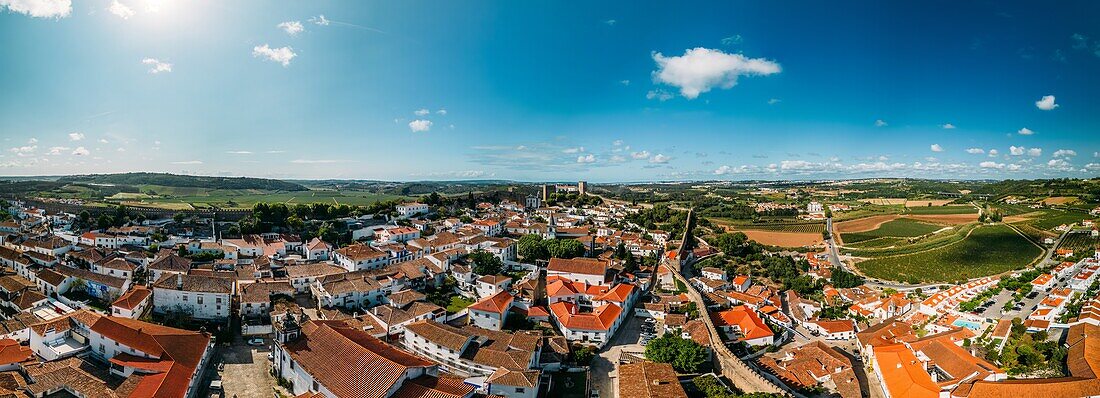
x,y
967,324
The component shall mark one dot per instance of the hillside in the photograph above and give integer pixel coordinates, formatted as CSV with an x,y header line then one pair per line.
x,y
176,180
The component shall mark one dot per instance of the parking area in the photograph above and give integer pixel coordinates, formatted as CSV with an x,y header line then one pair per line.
x,y
243,369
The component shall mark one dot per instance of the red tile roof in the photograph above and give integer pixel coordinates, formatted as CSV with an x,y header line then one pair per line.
x,y
497,303
349,362
132,298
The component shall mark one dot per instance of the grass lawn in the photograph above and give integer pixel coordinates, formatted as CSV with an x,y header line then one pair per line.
x,y
900,228
458,303
568,385
943,210
988,250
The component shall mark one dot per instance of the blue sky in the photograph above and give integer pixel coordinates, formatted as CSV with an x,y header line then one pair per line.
x,y
540,90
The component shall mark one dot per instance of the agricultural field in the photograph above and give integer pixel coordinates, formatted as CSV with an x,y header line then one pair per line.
x,y
1079,242
789,235
899,228
180,198
884,201
927,202
1060,200
1052,218
943,210
886,241
987,250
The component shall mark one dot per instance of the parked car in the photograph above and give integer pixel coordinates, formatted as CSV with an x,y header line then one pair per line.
x,y
256,342
216,385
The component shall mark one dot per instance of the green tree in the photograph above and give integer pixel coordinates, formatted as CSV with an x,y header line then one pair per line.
x,y
485,263
683,354
531,248
564,248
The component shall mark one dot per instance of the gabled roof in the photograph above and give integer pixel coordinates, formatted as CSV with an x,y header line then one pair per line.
x,y
132,298
602,319
579,265
497,303
171,262
619,294
350,362
744,318
903,373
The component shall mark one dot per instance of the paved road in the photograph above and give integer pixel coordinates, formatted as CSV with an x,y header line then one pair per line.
x,y
604,368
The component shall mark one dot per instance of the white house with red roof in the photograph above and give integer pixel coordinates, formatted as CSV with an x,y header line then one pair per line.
x,y
594,327
133,303
491,312
358,257
741,323
316,249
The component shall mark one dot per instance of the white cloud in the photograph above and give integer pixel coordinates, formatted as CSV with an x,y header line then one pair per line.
x,y
422,112
610,22
573,150
624,82
39,8
76,136
239,152
57,150
701,69
640,155
1065,153
25,150
774,101
947,126
80,151
320,20
617,158
1035,152
1025,131
32,141
292,28
123,11
991,165
936,148
993,152
282,55
1016,150
658,94
441,112
617,143
1059,164
103,141
1046,103
975,151
420,125
659,158
188,162
158,65
881,123
589,158
743,169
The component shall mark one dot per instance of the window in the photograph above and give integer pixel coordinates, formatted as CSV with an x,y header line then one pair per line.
x,y
519,390
218,300
198,300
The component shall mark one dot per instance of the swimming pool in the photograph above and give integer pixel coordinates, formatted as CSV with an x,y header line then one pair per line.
x,y
975,326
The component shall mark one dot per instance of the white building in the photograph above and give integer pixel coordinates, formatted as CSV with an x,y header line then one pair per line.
x,y
406,210
200,297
